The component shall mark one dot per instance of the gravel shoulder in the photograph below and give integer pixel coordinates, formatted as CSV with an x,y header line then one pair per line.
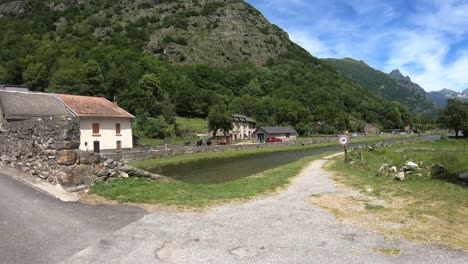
x,y
283,228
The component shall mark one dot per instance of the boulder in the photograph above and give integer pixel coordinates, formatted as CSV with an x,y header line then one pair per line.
x,y
88,157
67,158
123,175
463,176
393,169
76,176
383,169
400,176
437,170
411,165
100,170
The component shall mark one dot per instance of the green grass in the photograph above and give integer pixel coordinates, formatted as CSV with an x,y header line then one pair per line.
x,y
171,141
153,163
388,251
431,209
138,190
196,125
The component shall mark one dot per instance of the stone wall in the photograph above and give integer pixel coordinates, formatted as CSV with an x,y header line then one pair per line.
x,y
48,148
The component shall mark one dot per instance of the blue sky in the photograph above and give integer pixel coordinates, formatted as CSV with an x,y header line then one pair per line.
x,y
425,39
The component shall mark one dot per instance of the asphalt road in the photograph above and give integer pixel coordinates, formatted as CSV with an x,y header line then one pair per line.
x,y
37,228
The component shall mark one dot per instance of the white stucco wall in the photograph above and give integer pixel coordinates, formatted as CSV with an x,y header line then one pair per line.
x,y
107,136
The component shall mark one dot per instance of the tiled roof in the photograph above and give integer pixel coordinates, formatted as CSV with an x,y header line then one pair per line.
x,y
25,105
244,118
13,88
278,130
92,106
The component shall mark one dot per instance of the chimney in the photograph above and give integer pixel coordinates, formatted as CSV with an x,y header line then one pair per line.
x,y
114,102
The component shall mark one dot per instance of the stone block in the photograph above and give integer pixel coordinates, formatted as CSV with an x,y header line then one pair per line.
x,y
88,157
100,171
67,158
76,175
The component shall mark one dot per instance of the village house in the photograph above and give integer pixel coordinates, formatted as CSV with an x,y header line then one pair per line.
x,y
283,133
242,128
103,125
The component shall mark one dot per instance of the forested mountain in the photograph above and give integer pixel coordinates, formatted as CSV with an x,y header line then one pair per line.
x,y
392,87
161,58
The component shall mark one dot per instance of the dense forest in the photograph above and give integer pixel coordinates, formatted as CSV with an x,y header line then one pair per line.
x,y
61,50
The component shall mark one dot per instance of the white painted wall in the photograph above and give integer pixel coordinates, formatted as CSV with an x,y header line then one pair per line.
x,y
107,137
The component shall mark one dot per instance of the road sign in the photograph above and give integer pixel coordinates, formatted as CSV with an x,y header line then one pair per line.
x,y
344,140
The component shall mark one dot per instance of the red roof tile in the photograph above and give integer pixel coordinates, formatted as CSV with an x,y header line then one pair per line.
x,y
92,106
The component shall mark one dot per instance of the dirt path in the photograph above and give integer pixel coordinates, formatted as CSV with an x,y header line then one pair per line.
x,y
284,228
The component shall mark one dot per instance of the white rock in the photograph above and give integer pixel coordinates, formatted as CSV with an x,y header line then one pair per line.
x,y
400,176
393,169
411,165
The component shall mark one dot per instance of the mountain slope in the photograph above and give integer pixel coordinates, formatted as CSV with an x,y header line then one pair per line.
x,y
160,57
441,97
392,87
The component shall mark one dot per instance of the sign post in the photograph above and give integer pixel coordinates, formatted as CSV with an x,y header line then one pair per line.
x,y
344,141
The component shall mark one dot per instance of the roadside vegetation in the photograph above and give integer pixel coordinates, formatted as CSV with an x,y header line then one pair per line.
x,y
429,205
180,194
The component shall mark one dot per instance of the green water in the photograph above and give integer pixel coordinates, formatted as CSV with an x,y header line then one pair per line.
x,y
228,169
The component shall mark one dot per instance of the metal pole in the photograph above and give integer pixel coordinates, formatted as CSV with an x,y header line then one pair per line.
x,y
345,154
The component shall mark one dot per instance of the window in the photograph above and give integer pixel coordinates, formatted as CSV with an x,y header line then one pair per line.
x,y
288,135
95,128
119,145
117,129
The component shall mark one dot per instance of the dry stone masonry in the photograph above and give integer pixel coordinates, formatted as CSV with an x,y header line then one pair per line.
x,y
49,148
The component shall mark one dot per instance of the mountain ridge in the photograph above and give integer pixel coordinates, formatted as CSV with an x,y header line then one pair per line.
x,y
188,56
441,97
393,86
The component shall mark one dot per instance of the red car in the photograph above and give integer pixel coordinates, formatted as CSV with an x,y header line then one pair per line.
x,y
273,139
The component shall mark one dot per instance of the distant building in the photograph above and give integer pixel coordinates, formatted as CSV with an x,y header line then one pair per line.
x,y
103,125
242,128
370,129
284,133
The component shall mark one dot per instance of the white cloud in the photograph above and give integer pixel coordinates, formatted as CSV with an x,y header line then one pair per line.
x,y
423,38
421,55
312,44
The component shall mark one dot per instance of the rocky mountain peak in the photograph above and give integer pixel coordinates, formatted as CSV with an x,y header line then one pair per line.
x,y
396,74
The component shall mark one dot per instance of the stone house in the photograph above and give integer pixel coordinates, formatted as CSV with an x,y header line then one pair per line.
x,y
370,129
103,125
283,133
242,128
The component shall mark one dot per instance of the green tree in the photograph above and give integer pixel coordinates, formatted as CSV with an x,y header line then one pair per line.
x,y
219,118
66,78
92,80
157,127
36,76
455,116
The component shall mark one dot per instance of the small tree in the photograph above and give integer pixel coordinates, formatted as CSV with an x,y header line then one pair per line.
x,y
455,116
219,118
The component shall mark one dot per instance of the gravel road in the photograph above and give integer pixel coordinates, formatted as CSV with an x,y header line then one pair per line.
x,y
283,228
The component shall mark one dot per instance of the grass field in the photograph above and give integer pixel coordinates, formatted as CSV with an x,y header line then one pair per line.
x,y
196,125
420,208
192,125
